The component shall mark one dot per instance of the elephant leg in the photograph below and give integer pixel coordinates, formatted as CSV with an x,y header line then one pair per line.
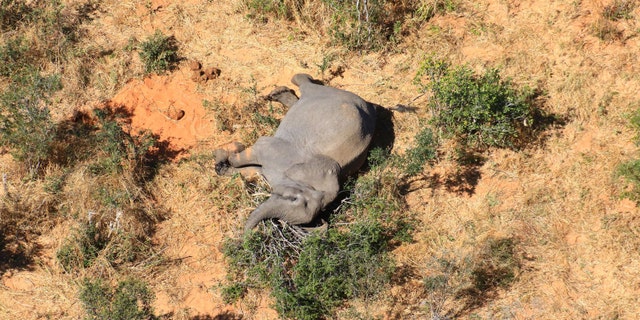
x,y
247,157
222,155
249,172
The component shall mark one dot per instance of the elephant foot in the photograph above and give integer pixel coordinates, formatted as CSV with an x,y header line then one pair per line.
x,y
222,168
283,95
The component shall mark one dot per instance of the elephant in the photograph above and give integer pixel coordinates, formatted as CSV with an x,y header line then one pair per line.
x,y
324,137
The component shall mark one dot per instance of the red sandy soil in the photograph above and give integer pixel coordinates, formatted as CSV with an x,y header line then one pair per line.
x,y
170,107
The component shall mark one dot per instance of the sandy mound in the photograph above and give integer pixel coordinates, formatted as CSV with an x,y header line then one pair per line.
x,y
170,107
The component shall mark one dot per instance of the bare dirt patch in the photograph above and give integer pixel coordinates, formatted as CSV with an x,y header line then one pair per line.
x,y
170,107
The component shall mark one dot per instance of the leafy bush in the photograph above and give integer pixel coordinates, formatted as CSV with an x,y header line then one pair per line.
x,y
423,152
117,148
26,127
131,299
15,57
115,240
630,170
427,9
159,53
81,249
282,9
477,110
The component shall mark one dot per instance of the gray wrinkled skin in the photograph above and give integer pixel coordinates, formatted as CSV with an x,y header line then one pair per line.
x,y
324,136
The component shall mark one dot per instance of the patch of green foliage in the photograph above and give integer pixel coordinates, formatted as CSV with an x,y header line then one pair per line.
x,y
233,292
81,249
116,146
42,33
260,9
159,53
424,151
478,110
310,274
15,57
358,25
130,299
26,127
630,170
89,242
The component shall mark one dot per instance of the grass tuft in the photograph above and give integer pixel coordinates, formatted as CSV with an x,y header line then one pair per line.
x,y
619,9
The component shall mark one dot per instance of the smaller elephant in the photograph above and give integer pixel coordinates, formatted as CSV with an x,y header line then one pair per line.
x,y
324,137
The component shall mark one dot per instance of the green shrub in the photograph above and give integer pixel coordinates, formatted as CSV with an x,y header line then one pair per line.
x,y
81,248
131,299
13,13
630,171
117,147
423,152
159,53
479,111
15,58
309,280
26,127
259,9
233,292
358,25
111,242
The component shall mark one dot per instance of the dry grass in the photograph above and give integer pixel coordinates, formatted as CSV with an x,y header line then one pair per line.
x,y
574,239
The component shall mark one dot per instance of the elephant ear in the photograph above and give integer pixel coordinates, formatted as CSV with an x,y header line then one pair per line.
x,y
293,204
320,173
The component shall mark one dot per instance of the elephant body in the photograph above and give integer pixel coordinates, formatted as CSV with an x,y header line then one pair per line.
x,y
324,136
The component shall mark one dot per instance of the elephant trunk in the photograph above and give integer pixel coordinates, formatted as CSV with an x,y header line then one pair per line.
x,y
258,215
290,204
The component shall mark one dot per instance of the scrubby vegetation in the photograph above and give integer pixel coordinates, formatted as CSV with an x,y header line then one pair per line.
x,y
89,168
159,53
130,300
356,25
474,213
629,171
478,110
311,273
